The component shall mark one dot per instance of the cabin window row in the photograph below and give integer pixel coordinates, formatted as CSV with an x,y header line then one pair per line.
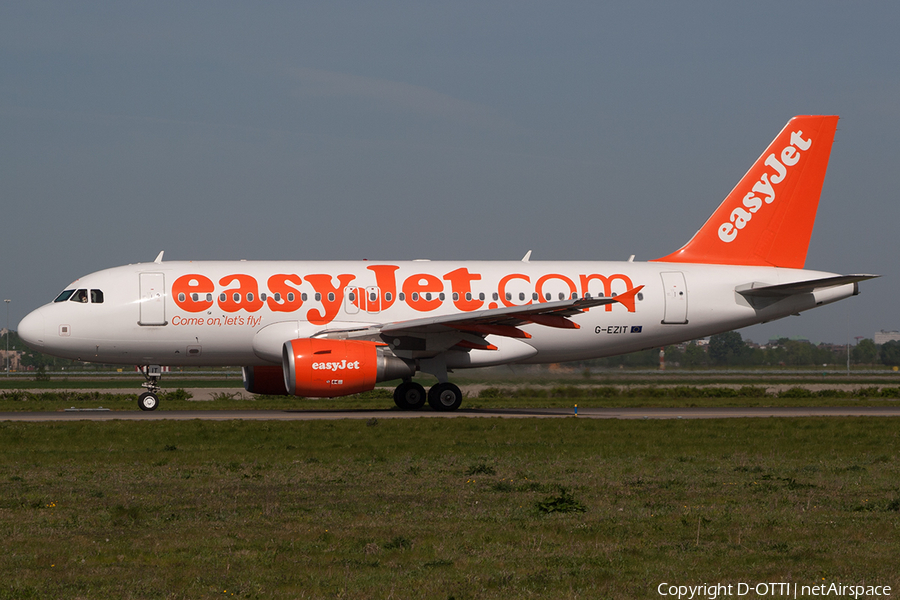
x,y
97,296
236,297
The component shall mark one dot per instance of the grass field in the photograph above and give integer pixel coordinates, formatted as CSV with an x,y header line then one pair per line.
x,y
450,508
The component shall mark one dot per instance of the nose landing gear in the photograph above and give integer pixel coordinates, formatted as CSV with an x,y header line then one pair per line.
x,y
149,400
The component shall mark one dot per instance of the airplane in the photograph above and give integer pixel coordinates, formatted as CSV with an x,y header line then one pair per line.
x,y
333,328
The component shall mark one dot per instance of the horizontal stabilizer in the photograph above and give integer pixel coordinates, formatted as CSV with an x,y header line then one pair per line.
x,y
782,290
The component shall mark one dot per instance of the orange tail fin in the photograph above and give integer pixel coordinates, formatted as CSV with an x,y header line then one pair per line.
x,y
768,217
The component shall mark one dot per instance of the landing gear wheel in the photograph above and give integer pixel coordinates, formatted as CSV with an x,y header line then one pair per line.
x,y
409,395
444,397
148,401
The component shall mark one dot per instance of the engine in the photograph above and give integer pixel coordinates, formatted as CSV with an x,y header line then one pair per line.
x,y
328,368
264,380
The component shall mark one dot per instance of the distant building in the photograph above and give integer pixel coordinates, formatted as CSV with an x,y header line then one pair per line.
x,y
13,356
887,336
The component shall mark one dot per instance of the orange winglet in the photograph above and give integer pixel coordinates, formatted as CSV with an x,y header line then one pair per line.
x,y
627,299
502,330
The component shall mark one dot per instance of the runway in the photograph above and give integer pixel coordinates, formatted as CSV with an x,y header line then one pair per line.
x,y
506,413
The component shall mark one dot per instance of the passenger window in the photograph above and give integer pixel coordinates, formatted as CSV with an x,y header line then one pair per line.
x,y
415,296
303,296
79,296
428,295
318,297
373,297
209,297
277,297
441,296
521,296
534,296
468,295
290,296
496,297
223,297
194,297
97,296
263,296
402,297
481,296
65,295
249,296
331,296
387,296
181,297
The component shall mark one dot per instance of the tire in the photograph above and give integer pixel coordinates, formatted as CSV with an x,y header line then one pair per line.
x,y
148,401
409,395
444,397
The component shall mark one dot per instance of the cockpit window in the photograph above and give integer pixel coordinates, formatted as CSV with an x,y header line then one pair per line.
x,y
79,296
96,296
63,296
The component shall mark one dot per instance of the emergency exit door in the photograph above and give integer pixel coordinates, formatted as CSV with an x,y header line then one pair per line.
x,y
675,297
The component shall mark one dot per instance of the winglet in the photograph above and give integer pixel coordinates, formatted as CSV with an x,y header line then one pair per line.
x,y
627,299
159,257
767,219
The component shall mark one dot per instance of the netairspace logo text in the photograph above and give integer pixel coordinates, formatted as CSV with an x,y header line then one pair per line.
x,y
769,589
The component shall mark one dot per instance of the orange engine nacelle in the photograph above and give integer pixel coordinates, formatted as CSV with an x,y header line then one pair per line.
x,y
328,368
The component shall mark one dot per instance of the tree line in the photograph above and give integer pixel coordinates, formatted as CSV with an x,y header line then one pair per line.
x,y
731,350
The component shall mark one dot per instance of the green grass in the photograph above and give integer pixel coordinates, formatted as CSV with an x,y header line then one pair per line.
x,y
458,508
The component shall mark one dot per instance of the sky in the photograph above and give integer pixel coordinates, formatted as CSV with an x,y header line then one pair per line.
x,y
457,130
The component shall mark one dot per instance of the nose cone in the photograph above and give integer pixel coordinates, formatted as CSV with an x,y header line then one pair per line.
x,y
31,329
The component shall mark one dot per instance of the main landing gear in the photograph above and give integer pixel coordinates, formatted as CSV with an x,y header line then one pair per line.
x,y
149,400
410,395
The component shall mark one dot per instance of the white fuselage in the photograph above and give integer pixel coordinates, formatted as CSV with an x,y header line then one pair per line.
x,y
241,312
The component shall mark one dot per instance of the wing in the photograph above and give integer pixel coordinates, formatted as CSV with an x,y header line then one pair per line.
x,y
429,336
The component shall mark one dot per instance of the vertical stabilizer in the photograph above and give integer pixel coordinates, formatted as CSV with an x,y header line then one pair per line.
x,y
767,219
